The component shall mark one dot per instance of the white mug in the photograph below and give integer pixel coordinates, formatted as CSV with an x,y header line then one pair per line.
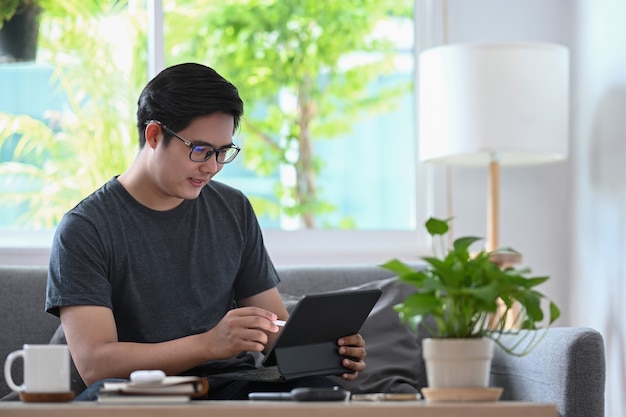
x,y
46,369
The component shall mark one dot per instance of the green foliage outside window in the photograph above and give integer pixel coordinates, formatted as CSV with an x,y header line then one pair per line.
x,y
71,153
303,68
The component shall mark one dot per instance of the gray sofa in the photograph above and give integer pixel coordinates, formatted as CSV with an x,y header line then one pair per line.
x,y
567,368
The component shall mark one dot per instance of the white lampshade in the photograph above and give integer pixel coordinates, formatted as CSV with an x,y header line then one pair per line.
x,y
484,101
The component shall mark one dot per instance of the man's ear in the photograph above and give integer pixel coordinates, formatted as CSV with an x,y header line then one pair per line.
x,y
153,134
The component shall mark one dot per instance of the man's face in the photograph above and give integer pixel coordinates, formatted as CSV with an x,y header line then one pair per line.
x,y
174,174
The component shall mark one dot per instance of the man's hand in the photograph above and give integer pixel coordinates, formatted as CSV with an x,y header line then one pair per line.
x,y
243,329
354,347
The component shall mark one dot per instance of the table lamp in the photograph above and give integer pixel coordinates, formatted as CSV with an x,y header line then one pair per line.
x,y
491,105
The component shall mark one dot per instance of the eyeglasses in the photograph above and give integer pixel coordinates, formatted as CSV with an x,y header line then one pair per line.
x,y
201,153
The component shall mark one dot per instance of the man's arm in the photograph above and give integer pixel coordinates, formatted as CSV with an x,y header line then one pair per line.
x,y
92,338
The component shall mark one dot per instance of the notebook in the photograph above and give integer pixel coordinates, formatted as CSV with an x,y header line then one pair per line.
x,y
307,344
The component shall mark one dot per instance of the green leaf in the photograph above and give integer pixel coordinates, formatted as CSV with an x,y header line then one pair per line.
x,y
399,267
533,282
531,301
437,226
447,274
463,243
555,313
487,293
505,250
418,304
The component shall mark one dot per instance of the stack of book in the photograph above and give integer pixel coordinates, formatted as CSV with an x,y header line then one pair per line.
x,y
171,389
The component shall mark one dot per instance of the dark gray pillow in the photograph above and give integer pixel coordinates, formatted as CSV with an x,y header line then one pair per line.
x,y
394,352
58,338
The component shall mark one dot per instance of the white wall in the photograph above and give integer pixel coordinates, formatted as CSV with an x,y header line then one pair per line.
x,y
569,220
598,262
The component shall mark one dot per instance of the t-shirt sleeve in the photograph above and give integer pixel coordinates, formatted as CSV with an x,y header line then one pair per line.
x,y
77,270
257,272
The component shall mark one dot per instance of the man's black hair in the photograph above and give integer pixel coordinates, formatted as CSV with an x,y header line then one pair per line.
x,y
183,92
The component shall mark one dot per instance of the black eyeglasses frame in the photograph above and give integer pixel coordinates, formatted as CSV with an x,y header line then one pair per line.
x,y
193,147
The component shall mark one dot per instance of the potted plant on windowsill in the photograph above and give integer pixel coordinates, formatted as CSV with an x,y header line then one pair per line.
x,y
19,29
470,302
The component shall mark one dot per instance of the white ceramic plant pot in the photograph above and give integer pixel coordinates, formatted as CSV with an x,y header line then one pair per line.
x,y
457,363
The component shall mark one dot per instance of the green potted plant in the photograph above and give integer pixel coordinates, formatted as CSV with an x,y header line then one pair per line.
x,y
470,301
19,29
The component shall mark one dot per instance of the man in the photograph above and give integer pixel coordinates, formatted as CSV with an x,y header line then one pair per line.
x,y
146,272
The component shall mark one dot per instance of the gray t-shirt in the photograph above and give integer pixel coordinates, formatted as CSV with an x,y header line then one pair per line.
x,y
164,274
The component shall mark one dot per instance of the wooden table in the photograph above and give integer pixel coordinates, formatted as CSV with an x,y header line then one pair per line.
x,y
282,409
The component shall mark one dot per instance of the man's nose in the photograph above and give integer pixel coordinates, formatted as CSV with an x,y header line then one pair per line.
x,y
210,165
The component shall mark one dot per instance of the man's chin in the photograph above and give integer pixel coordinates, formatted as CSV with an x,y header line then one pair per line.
x,y
192,194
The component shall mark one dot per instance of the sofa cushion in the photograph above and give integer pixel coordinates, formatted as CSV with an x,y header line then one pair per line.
x,y
58,338
394,357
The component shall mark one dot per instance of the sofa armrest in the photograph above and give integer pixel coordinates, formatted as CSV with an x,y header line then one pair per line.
x,y
566,368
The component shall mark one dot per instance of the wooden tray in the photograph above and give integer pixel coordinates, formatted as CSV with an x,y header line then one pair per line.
x,y
462,394
46,397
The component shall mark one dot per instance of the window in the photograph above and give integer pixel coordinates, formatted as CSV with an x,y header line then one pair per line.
x,y
364,194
